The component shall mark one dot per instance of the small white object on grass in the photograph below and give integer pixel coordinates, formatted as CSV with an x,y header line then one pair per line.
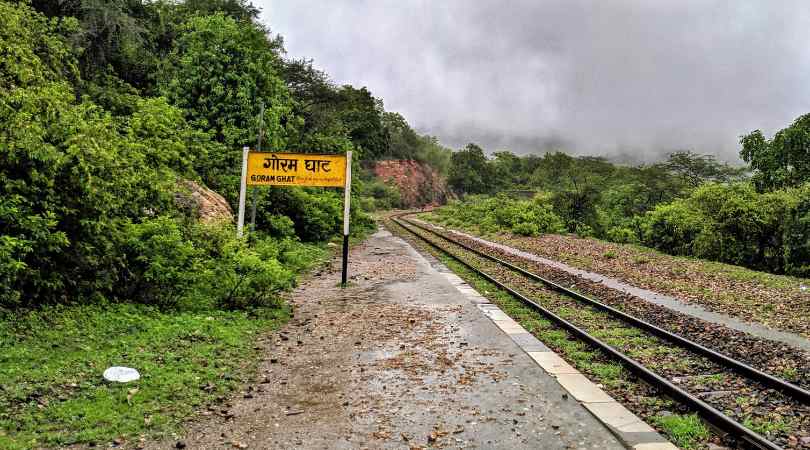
x,y
121,374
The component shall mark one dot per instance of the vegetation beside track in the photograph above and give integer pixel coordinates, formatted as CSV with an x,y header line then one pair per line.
x,y
778,301
690,204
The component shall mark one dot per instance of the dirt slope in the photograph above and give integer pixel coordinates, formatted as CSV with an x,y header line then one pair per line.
x,y
418,183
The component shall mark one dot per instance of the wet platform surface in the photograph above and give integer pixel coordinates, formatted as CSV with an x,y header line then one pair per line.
x,y
402,358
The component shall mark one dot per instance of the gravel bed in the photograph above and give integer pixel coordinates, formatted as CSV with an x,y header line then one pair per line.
x,y
776,301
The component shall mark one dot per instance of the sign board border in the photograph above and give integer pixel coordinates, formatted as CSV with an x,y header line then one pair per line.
x,y
347,188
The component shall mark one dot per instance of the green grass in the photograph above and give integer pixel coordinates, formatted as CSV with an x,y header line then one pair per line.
x,y
765,426
686,431
789,373
52,391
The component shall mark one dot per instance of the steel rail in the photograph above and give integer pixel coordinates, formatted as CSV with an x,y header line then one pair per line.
x,y
712,415
753,373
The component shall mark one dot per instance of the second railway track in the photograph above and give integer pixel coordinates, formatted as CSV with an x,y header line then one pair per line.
x,y
668,362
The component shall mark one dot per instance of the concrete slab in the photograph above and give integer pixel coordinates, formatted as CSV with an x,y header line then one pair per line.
x,y
509,326
655,446
529,343
616,416
582,388
495,314
552,363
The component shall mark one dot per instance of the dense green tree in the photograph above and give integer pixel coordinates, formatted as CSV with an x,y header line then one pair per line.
x,y
362,115
796,234
553,170
508,169
783,161
237,9
403,142
434,154
220,73
469,171
696,169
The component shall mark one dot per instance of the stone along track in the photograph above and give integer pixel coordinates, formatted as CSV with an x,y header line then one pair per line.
x,y
750,398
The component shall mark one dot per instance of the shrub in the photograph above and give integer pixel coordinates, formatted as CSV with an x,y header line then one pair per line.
x,y
162,265
672,228
526,229
280,226
384,195
502,213
796,235
622,235
735,224
236,275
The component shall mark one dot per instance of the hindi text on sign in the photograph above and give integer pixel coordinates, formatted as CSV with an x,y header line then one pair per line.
x,y
296,169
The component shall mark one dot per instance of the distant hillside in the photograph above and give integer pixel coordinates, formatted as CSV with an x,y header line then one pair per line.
x,y
418,183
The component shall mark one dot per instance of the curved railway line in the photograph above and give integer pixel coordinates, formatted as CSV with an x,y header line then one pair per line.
x,y
562,306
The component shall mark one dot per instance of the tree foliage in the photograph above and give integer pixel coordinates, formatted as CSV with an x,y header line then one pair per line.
x,y
470,172
689,204
695,169
783,161
106,106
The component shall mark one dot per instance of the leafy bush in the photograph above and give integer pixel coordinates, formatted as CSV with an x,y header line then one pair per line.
x,y
622,235
796,235
502,213
733,223
385,196
280,226
162,264
672,228
87,208
70,184
201,267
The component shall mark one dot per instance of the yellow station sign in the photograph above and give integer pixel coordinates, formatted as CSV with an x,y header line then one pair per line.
x,y
296,169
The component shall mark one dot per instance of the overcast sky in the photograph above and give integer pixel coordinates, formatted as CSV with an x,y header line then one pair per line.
x,y
637,77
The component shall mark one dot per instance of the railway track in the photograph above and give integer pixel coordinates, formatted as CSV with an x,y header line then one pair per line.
x,y
660,358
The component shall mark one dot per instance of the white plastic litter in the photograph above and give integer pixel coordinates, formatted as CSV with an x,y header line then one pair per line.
x,y
121,374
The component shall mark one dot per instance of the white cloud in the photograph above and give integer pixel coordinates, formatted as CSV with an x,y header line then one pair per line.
x,y
605,77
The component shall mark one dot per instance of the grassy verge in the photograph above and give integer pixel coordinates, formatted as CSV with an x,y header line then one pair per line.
x,y
52,392
51,361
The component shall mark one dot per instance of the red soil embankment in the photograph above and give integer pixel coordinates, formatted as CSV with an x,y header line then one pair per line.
x,y
418,183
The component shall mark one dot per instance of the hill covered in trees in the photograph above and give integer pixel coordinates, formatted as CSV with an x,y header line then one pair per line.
x,y
106,106
691,204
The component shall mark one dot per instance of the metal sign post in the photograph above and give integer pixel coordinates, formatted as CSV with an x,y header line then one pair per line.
x,y
347,196
240,224
299,169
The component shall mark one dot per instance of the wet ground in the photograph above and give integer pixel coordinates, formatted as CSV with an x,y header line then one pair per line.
x,y
400,359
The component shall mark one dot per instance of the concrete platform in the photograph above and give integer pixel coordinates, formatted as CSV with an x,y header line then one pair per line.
x,y
550,419
631,431
407,356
